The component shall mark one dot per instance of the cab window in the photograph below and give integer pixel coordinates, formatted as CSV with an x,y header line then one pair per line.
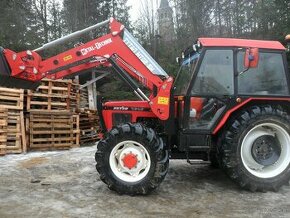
x,y
216,74
184,75
269,78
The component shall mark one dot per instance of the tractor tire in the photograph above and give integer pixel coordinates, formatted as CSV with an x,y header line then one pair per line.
x,y
255,148
132,159
214,163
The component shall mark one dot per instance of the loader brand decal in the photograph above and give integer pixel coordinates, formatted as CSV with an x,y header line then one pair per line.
x,y
67,58
97,46
163,100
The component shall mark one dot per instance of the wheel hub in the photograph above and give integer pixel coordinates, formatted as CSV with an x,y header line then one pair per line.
x,y
130,160
266,150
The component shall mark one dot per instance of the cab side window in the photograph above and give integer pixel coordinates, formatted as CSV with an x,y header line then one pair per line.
x,y
269,78
216,74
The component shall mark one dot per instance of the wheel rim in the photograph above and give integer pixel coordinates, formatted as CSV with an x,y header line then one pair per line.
x,y
130,161
265,150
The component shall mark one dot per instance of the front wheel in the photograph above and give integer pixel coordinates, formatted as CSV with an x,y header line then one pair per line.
x,y
255,149
132,159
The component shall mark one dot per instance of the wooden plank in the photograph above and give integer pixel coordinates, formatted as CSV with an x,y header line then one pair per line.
x,y
45,132
3,138
52,88
76,130
45,147
58,110
8,90
61,96
54,139
23,133
12,107
8,98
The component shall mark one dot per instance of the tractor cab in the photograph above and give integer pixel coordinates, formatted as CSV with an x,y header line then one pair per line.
x,y
216,75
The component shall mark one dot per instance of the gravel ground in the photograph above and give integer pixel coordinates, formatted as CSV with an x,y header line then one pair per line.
x,y
66,184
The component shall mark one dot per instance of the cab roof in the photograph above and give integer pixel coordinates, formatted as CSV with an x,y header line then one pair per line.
x,y
241,43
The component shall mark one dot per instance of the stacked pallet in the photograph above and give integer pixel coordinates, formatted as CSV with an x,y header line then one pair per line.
x,y
11,100
89,127
57,117
50,130
59,95
89,120
52,121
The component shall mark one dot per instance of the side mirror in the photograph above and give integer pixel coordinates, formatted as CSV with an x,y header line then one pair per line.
x,y
287,39
251,59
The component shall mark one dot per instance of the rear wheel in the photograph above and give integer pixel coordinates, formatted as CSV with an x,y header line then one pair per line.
x,y
132,159
255,149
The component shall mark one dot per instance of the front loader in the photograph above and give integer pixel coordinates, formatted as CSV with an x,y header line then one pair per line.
x,y
229,105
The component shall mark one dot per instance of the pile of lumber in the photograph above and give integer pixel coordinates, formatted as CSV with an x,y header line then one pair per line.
x,y
12,134
52,120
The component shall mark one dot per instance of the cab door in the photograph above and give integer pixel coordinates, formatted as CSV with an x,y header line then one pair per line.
x,y
210,91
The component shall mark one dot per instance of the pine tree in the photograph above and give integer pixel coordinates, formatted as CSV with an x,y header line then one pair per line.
x,y
17,25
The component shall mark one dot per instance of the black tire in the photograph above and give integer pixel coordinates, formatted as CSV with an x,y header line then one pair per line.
x,y
150,141
214,163
229,148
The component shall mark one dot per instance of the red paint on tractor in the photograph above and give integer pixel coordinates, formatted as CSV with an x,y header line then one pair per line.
x,y
241,43
130,160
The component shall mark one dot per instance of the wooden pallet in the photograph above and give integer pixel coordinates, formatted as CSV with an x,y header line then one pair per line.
x,y
14,133
16,142
51,130
89,127
3,131
60,95
11,98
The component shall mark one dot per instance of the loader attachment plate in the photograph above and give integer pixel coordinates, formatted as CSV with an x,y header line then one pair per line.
x,y
9,82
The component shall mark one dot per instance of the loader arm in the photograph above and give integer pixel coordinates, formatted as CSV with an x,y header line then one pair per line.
x,y
118,49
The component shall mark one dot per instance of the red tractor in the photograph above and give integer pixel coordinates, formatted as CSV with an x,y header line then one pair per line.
x,y
229,105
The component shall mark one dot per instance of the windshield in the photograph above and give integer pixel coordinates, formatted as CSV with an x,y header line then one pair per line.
x,y
184,75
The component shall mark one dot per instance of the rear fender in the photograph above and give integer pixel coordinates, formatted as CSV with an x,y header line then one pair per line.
x,y
244,103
